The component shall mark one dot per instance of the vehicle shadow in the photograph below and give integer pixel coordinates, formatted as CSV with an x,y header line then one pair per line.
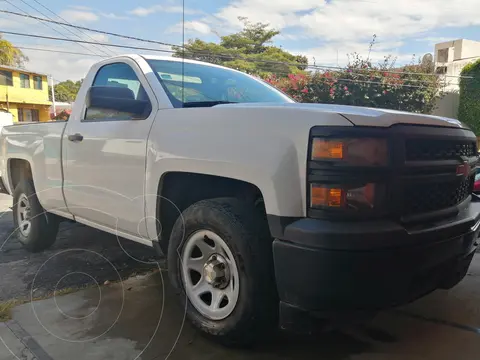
x,y
160,334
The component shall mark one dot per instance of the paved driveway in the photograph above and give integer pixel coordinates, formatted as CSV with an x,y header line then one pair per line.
x,y
139,318
79,250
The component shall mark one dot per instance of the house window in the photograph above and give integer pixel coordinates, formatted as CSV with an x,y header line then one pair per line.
x,y
24,81
28,115
441,70
37,82
442,55
6,78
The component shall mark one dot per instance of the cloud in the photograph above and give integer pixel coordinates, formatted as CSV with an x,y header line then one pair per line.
x,y
80,7
79,16
353,20
348,25
141,11
97,37
10,24
113,16
432,40
191,27
278,13
17,22
61,66
336,54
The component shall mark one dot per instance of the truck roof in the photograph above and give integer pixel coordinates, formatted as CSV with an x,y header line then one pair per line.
x,y
171,58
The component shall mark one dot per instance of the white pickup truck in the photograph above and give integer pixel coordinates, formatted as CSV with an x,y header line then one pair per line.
x,y
268,209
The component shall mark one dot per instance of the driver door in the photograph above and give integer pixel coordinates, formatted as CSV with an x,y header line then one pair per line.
x,y
105,155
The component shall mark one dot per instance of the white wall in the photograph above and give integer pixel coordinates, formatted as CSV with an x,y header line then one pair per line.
x,y
447,105
460,53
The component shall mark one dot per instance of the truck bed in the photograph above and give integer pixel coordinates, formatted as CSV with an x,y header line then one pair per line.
x,y
41,145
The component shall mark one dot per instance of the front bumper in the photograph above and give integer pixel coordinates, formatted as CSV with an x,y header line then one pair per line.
x,y
325,267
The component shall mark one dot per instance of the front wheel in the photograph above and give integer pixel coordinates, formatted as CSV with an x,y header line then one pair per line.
x,y
35,228
220,262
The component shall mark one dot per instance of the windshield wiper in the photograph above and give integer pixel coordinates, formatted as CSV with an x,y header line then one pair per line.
x,y
206,103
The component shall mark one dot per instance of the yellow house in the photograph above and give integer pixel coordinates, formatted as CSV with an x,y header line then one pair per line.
x,y
24,94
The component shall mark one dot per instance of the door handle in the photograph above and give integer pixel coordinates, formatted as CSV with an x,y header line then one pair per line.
x,y
75,137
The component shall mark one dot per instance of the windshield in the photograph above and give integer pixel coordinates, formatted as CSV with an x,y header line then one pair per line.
x,y
205,85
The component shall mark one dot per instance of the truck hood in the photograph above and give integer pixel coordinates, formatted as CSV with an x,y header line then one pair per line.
x,y
363,116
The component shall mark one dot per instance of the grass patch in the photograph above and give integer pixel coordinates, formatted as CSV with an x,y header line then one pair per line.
x,y
67,291
6,308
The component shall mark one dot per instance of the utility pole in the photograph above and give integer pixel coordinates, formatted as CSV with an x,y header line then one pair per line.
x,y
53,97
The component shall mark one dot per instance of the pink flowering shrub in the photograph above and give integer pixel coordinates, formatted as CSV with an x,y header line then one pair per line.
x,y
409,88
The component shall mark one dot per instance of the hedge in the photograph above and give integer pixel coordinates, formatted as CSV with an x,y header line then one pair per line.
x,y
409,88
469,105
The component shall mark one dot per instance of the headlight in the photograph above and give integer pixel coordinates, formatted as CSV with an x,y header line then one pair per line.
x,y
355,151
368,196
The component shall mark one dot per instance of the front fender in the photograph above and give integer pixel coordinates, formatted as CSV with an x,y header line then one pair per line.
x,y
278,174
264,146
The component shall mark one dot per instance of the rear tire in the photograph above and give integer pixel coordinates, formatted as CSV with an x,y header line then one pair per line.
x,y
35,229
243,230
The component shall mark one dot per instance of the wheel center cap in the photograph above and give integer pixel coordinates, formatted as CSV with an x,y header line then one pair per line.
x,y
216,271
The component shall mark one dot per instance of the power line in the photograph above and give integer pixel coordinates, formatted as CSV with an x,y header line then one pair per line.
x,y
89,29
66,28
61,18
171,51
353,81
218,56
47,25
84,41
280,73
58,51
224,56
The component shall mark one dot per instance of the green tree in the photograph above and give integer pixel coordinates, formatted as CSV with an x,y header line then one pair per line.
x,y
65,91
10,55
248,50
469,105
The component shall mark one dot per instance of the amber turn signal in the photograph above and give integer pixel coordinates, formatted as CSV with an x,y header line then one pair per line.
x,y
327,149
351,151
326,197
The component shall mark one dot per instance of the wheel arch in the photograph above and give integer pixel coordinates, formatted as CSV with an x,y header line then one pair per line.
x,y
178,190
18,169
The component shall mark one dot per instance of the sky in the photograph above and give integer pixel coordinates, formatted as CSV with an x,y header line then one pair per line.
x,y
323,30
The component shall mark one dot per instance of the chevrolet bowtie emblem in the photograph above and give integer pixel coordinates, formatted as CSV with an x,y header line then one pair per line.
x,y
463,169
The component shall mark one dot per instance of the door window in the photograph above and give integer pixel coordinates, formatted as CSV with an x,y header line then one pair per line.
x,y
119,75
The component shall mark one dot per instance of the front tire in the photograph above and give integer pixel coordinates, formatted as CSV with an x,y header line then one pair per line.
x,y
35,229
221,250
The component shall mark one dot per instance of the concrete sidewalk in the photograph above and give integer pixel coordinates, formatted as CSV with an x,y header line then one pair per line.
x,y
140,319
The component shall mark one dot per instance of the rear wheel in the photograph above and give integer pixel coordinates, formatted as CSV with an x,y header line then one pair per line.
x,y
220,262
35,228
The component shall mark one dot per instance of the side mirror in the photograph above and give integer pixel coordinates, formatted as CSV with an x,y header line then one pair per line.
x,y
119,99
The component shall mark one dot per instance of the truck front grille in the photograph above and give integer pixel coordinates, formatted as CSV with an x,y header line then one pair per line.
x,y
432,196
426,150
430,171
